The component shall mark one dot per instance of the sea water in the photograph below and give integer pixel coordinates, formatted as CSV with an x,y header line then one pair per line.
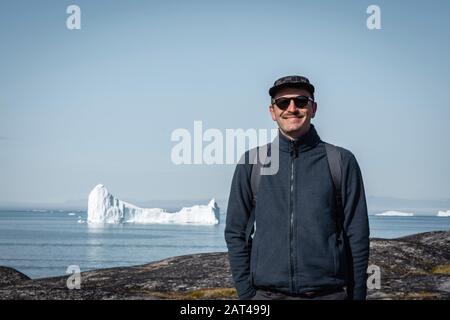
x,y
43,243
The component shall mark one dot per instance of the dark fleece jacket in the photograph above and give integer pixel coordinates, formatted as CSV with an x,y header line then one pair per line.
x,y
295,247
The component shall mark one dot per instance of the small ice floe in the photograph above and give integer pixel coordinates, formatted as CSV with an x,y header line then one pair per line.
x,y
71,213
443,214
81,220
392,213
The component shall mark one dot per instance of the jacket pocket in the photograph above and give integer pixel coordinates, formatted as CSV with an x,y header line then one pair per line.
x,y
253,264
336,256
334,245
339,257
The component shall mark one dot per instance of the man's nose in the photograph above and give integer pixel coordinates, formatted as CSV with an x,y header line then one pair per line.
x,y
292,108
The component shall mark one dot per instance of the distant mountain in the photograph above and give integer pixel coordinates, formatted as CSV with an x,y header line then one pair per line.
x,y
374,203
387,203
75,206
82,204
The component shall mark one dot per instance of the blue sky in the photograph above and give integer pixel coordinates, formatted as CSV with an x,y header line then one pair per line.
x,y
98,105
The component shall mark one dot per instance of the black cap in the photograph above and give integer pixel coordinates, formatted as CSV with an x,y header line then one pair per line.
x,y
291,82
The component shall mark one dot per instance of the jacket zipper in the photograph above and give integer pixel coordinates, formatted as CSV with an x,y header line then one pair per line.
x,y
291,220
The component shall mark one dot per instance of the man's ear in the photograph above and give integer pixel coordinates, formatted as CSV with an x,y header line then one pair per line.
x,y
314,109
272,112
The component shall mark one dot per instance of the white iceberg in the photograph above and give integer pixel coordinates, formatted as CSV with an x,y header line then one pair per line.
x,y
443,214
395,214
103,207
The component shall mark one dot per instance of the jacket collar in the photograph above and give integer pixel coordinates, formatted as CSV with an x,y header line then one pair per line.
x,y
303,143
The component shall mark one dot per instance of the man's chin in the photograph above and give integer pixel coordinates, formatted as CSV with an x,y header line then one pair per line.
x,y
294,123
293,130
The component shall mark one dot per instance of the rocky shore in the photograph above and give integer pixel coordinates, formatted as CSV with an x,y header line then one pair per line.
x,y
413,267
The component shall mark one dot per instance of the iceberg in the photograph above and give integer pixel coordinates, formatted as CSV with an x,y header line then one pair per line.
x,y
103,207
395,214
443,214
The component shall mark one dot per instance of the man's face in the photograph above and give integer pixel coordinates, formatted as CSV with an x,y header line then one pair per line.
x,y
293,121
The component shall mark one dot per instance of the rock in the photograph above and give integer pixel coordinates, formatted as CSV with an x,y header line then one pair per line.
x,y
413,267
185,277
10,276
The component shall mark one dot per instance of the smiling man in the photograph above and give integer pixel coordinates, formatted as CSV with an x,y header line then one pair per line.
x,y
311,239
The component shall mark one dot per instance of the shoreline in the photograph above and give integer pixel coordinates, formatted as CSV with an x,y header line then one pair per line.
x,y
412,267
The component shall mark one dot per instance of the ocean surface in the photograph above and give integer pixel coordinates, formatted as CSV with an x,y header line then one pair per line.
x,y
44,243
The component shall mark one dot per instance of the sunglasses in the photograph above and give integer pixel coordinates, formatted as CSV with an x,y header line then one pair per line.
x,y
299,101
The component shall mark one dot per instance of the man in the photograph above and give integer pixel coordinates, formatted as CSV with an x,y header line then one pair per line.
x,y
301,248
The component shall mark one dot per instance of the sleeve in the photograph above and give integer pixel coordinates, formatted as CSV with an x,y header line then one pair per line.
x,y
238,213
356,227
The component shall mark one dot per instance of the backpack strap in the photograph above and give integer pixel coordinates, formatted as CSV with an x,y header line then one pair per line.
x,y
335,164
259,158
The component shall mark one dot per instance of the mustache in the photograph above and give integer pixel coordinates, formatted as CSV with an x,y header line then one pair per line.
x,y
293,115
